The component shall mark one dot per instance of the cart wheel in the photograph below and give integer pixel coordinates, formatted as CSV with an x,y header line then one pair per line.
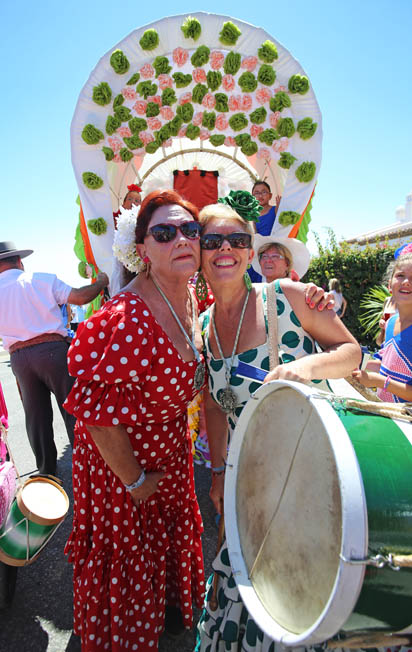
x,y
8,577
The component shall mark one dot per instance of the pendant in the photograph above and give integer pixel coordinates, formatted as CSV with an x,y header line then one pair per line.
x,y
228,399
199,378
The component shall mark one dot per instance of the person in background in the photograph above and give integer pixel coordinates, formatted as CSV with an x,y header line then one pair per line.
x,y
132,198
78,315
262,192
33,331
340,301
277,257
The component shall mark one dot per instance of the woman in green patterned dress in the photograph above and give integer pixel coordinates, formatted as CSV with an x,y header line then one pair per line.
x,y
236,329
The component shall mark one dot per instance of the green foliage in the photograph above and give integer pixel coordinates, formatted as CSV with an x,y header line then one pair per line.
x,y
222,104
232,63
152,109
123,113
286,127
209,119
280,101
118,101
238,121
137,124
182,80
146,88
119,62
133,142
102,94
91,135
286,160
258,115
247,82
268,52
191,28
229,34
108,153
268,136
161,66
149,40
372,305
306,128
168,97
266,75
306,171
125,154
200,56
298,84
112,123
192,132
133,79
217,139
92,180
358,270
198,93
185,112
97,226
287,218
214,79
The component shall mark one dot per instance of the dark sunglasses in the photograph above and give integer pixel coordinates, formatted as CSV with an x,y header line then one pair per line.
x,y
239,240
168,232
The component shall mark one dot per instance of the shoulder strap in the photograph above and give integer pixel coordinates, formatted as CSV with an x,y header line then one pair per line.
x,y
272,326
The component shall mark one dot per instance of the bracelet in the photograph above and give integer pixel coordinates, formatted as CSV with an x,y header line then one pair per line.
x,y
386,383
218,469
137,484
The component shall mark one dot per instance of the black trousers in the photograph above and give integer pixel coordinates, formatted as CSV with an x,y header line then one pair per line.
x,y
40,370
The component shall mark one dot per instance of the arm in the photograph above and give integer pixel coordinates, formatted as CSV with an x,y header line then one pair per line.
x,y
216,426
373,379
85,294
344,306
114,446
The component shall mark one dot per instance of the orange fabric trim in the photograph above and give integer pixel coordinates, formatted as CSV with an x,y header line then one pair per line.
x,y
295,228
87,246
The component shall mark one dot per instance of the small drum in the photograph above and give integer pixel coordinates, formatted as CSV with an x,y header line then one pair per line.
x,y
39,508
316,499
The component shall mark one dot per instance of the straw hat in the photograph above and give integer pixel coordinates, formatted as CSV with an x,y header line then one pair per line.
x,y
299,252
8,249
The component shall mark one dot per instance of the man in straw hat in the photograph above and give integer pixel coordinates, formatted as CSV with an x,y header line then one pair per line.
x,y
32,329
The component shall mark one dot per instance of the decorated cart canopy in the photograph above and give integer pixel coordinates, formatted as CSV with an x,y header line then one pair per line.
x,y
203,95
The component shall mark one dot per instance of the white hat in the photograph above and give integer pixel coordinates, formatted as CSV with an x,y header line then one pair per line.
x,y
299,252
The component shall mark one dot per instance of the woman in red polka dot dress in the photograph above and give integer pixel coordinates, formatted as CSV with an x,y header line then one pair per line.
x,y
135,544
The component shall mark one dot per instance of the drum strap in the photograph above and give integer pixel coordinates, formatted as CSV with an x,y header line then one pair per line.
x,y
272,313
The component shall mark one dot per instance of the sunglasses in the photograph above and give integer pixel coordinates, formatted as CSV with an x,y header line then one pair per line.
x,y
168,232
211,241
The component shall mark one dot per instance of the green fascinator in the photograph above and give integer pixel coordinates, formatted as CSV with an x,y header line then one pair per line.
x,y
244,203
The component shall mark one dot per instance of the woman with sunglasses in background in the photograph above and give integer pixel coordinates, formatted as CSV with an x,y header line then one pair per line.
x,y
135,544
236,329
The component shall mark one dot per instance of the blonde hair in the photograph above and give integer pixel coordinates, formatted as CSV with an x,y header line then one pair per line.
x,y
280,248
224,212
334,284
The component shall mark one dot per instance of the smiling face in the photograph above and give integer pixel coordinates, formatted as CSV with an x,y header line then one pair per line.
x,y
178,258
262,194
401,283
226,264
273,264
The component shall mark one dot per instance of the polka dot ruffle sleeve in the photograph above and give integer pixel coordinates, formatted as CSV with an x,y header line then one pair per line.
x,y
111,357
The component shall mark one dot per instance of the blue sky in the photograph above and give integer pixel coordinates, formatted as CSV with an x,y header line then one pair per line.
x,y
356,53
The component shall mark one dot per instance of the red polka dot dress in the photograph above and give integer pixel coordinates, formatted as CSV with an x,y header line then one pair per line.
x,y
129,561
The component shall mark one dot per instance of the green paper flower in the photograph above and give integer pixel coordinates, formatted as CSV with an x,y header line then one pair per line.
x,y
108,153
306,171
168,97
91,135
163,134
152,109
123,113
118,101
244,203
149,40
146,88
229,34
182,80
209,120
192,131
242,139
102,94
268,52
280,101
222,104
161,66
175,125
288,218
119,62
232,63
247,82
185,112
298,84
198,93
286,160
258,116
268,136
249,149
133,79
286,128
200,56
214,79
266,75
217,139
112,123
191,28
152,147
133,142
92,181
238,121
125,154
81,268
137,124
97,226
306,128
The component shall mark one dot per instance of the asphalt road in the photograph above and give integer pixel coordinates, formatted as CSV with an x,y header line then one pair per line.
x,y
40,618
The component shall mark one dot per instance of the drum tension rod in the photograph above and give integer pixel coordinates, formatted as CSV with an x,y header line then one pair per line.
x,y
379,561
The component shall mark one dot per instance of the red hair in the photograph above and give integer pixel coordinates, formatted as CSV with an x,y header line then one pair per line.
x,y
155,200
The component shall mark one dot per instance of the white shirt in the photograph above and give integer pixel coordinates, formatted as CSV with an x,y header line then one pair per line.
x,y
338,300
29,305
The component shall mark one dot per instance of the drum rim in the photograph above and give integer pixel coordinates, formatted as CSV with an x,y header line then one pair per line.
x,y
349,578
35,518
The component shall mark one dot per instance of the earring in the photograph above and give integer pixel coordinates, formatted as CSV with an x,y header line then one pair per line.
x,y
201,288
247,281
147,266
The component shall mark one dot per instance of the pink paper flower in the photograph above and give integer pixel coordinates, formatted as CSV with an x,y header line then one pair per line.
x,y
180,56
197,118
228,83
168,142
235,102
129,93
264,153
147,71
182,131
279,89
255,130
199,76
124,132
280,145
185,98
222,122
230,141
246,102
274,119
146,137
167,113
154,123
204,134
140,107
115,144
216,59
165,81
116,158
209,101
249,63
155,98
263,95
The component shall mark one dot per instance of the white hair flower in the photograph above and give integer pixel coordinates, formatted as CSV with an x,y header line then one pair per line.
x,y
124,242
